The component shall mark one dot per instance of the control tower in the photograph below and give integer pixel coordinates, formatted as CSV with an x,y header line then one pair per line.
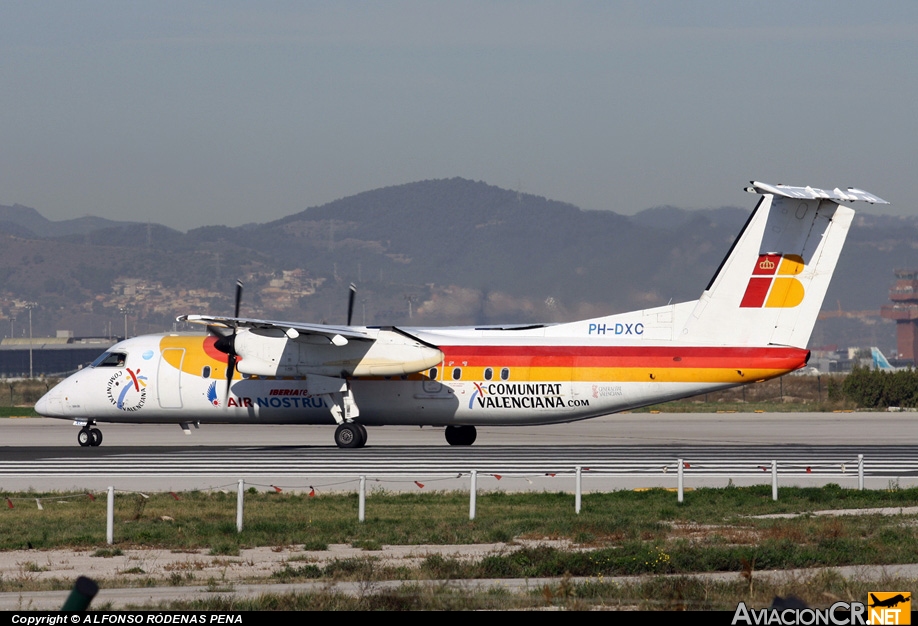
x,y
904,310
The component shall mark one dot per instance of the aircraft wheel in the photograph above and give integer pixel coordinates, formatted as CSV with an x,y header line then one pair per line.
x,y
363,435
84,437
461,435
96,437
347,435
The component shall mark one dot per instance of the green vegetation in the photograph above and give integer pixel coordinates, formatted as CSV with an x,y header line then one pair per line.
x,y
654,593
644,533
779,395
628,532
17,411
18,397
878,389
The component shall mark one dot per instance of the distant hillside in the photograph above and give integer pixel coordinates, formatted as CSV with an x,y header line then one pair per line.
x,y
439,251
25,221
479,236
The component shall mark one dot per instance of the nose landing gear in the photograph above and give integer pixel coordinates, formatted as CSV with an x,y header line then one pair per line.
x,y
89,436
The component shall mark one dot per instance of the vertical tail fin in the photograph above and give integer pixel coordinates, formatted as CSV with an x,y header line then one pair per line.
x,y
770,286
879,360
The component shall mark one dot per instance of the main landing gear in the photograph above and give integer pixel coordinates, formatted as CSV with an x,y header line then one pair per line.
x,y
460,435
350,435
89,436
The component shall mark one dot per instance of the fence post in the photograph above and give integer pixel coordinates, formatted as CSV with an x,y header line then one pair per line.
x,y
240,497
860,472
473,494
362,500
110,517
774,480
679,496
577,497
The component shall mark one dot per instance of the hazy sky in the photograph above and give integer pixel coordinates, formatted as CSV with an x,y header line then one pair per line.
x,y
190,113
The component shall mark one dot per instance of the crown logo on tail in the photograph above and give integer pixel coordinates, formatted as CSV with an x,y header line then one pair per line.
x,y
773,285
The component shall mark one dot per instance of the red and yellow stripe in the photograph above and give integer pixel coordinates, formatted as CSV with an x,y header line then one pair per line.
x,y
624,364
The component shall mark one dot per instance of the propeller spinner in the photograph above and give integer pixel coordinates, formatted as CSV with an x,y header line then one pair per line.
x,y
226,343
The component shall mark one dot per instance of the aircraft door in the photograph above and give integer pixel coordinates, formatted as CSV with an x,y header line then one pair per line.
x,y
169,379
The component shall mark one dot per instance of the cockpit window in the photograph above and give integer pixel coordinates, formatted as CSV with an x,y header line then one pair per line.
x,y
110,359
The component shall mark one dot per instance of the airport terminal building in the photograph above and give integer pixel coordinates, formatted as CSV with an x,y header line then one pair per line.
x,y
50,356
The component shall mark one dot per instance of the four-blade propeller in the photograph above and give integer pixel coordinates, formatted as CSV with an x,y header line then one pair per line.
x,y
226,343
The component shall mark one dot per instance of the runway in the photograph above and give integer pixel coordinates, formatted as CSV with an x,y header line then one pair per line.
x,y
615,452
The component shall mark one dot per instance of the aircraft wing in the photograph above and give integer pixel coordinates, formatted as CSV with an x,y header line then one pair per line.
x,y
288,351
291,329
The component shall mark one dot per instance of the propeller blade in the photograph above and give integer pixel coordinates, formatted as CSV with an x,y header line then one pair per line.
x,y
226,342
230,370
350,303
238,297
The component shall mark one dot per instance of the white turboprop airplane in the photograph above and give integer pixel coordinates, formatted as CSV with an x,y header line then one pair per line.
x,y
751,323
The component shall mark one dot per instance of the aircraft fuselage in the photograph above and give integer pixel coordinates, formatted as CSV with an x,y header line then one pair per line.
x,y
179,379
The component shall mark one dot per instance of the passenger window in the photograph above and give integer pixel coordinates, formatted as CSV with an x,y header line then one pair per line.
x,y
457,373
110,359
433,373
205,373
488,373
505,373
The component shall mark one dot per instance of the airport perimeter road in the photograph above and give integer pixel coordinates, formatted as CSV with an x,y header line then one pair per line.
x,y
615,452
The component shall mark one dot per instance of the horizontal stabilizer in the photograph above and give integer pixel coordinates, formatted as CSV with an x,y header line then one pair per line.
x,y
814,193
771,285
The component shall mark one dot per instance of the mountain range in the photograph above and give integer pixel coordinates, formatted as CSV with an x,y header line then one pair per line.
x,y
450,251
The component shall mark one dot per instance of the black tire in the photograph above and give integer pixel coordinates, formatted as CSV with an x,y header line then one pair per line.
x,y
96,437
461,435
363,435
84,438
347,435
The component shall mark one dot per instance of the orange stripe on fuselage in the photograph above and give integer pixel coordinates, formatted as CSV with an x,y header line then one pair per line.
x,y
592,356
592,363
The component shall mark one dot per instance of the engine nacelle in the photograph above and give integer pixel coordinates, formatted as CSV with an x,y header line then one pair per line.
x,y
274,353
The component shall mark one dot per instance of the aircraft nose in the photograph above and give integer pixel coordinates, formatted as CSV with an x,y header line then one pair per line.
x,y
49,405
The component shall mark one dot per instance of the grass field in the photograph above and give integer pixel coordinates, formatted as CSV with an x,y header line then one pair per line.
x,y
621,533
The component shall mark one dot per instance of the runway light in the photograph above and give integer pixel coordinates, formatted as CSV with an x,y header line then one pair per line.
x,y
312,491
497,476
277,489
420,485
552,474
91,497
9,503
174,495
808,470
